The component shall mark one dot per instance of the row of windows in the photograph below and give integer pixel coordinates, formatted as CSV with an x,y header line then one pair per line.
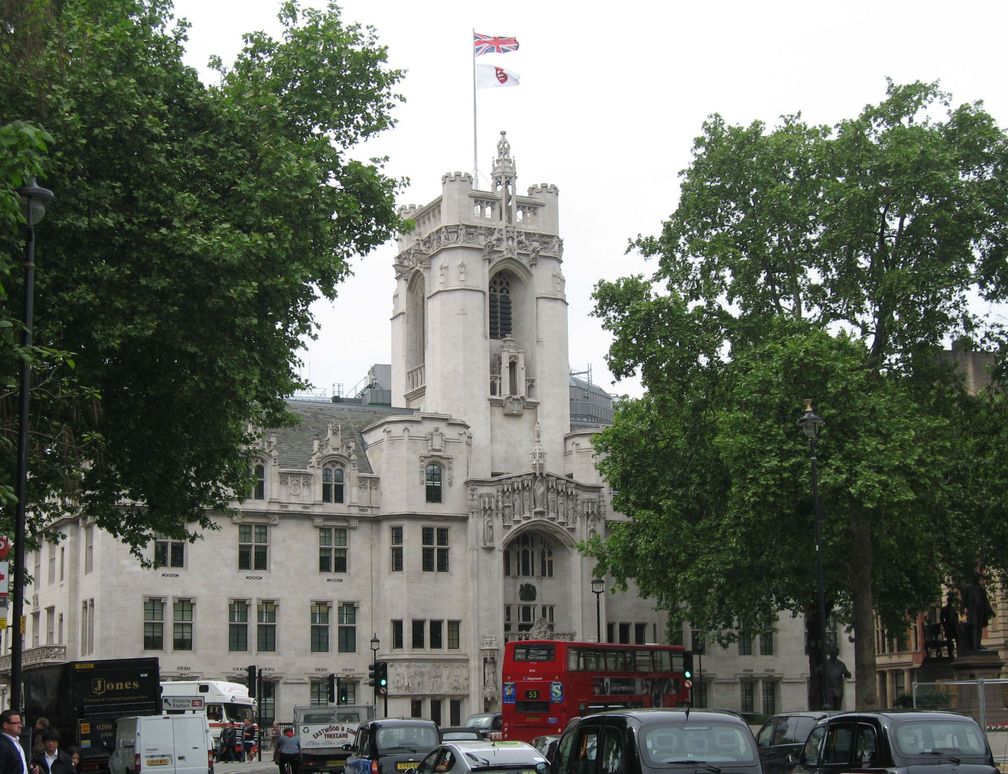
x,y
747,639
334,479
433,634
333,547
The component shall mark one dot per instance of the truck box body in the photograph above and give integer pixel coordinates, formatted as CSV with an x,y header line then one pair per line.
x,y
323,730
162,744
83,699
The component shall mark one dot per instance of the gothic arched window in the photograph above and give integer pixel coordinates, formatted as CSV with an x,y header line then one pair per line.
x,y
500,305
332,484
432,479
258,481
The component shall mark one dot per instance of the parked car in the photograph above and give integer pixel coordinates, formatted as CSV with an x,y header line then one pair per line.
x,y
657,741
781,738
488,723
931,742
546,745
394,746
460,734
484,756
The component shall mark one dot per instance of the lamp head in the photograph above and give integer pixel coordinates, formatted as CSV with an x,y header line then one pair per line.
x,y
597,585
34,199
810,423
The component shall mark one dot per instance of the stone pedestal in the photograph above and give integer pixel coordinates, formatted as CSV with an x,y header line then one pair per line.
x,y
977,665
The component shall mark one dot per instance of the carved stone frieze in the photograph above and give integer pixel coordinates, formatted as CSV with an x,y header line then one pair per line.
x,y
495,241
415,678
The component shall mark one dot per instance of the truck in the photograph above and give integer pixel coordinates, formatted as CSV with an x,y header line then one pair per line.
x,y
325,731
225,704
83,699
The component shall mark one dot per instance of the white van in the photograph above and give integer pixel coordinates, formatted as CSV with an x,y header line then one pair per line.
x,y
165,744
224,704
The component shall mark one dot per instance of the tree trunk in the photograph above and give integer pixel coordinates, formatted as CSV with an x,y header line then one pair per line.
x,y
865,694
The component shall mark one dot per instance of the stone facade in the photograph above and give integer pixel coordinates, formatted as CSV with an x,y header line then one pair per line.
x,y
442,525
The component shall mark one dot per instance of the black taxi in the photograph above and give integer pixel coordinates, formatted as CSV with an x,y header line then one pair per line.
x,y
911,742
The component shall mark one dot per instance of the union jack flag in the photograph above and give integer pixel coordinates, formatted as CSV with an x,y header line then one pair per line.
x,y
490,44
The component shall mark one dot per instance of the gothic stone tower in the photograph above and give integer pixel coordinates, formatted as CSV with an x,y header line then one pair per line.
x,y
479,325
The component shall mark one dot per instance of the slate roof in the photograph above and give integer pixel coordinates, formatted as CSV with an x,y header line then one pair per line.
x,y
294,444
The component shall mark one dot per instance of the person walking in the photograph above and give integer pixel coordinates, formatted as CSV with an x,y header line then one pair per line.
x,y
40,725
12,756
288,752
52,760
248,739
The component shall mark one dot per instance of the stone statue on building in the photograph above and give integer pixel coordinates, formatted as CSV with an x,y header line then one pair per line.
x,y
978,612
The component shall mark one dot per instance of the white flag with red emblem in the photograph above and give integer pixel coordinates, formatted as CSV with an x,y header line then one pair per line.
x,y
489,76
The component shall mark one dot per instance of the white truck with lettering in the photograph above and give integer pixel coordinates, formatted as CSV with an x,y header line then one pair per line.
x,y
324,730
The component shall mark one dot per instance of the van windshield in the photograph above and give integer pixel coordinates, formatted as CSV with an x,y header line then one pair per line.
x,y
237,713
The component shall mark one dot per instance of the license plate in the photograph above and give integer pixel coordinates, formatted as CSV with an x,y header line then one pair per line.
x,y
157,761
405,765
335,765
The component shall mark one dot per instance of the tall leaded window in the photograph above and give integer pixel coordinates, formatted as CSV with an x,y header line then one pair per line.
x,y
252,546
319,692
267,701
332,484
266,617
434,548
397,634
454,638
169,553
332,549
500,305
153,624
346,628
397,549
258,482
432,479
238,620
182,624
320,627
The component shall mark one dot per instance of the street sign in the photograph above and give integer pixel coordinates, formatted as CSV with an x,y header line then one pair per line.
x,y
5,546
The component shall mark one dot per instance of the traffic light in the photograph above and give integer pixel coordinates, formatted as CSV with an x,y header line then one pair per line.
x,y
372,673
381,677
251,670
332,688
341,691
687,665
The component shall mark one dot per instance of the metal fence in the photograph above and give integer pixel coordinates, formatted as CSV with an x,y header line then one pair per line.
x,y
986,701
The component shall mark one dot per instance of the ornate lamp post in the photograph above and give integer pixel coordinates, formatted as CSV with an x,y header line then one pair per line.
x,y
33,203
375,642
597,587
811,425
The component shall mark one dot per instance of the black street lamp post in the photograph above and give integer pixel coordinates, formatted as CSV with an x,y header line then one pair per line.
x,y
598,586
375,643
811,425
34,199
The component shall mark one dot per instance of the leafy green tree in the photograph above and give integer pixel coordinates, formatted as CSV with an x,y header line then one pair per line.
x,y
826,263
193,227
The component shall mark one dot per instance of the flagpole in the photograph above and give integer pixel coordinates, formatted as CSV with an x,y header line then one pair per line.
x,y
475,156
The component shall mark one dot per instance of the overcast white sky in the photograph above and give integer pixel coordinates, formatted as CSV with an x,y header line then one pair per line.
x,y
609,103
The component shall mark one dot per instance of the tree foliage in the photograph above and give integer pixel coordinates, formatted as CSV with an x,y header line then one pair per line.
x,y
825,263
193,226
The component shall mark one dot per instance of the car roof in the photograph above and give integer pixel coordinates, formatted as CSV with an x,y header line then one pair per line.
x,y
900,715
399,723
497,752
647,716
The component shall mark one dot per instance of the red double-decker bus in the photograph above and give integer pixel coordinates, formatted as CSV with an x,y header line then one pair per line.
x,y
548,682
